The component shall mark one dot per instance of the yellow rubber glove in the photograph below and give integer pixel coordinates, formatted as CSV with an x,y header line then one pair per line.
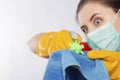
x,y
43,43
111,60
52,41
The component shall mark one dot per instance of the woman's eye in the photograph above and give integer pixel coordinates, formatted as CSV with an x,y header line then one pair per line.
x,y
97,21
84,29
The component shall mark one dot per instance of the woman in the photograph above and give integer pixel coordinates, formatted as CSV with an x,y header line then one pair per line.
x,y
101,23
99,20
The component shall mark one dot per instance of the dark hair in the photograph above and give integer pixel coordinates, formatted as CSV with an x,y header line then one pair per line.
x,y
114,4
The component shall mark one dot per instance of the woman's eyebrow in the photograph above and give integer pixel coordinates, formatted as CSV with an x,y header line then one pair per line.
x,y
93,16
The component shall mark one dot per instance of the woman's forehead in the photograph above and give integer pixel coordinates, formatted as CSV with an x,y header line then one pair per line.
x,y
90,9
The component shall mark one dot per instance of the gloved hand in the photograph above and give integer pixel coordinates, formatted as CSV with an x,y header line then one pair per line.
x,y
52,41
42,44
111,60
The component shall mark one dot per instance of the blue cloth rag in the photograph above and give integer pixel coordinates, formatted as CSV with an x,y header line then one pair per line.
x,y
60,67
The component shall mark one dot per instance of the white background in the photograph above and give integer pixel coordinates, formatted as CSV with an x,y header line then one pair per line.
x,y
20,20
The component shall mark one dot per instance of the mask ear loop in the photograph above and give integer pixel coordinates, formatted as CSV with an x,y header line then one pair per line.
x,y
115,16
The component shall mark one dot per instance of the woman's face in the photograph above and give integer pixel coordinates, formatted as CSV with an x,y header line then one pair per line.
x,y
94,15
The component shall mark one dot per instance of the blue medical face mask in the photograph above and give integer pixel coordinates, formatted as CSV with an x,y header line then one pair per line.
x,y
105,38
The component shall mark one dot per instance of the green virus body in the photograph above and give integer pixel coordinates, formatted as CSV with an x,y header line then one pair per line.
x,y
75,46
